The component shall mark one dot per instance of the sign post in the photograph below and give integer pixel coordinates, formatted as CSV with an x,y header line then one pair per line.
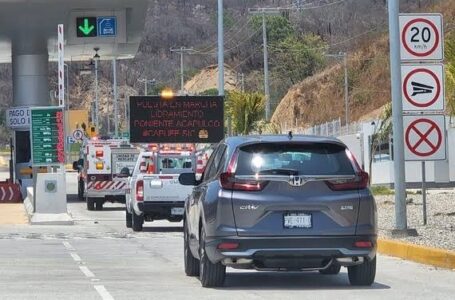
x,y
422,41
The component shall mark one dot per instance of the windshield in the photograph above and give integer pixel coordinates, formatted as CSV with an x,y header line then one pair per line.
x,y
293,159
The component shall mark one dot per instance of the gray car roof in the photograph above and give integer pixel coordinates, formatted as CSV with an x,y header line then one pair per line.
x,y
242,140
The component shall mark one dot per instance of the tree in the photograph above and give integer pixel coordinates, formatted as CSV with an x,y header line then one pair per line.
x,y
245,109
450,72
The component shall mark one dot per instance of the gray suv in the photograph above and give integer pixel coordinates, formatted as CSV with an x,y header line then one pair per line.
x,y
285,203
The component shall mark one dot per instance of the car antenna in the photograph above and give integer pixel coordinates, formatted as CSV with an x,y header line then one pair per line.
x,y
290,135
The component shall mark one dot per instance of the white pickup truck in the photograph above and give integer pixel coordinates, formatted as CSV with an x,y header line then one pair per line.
x,y
154,189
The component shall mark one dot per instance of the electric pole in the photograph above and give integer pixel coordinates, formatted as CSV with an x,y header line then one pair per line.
x,y
182,51
266,12
220,49
114,70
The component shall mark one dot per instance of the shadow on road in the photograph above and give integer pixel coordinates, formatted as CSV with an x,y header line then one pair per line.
x,y
292,281
162,229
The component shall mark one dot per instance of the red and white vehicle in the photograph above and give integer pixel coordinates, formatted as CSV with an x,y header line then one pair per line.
x,y
104,168
155,192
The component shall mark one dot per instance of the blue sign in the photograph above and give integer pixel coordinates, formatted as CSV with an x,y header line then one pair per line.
x,y
107,26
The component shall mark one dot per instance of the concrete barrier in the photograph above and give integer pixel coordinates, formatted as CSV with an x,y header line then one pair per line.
x,y
426,255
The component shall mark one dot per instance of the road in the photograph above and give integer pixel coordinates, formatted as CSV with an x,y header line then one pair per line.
x,y
98,258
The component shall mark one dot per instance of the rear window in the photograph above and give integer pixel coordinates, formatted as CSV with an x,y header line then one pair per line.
x,y
293,159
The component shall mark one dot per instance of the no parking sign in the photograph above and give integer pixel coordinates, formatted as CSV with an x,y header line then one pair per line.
x,y
424,137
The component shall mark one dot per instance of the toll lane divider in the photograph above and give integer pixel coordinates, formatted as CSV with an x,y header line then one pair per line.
x,y
421,254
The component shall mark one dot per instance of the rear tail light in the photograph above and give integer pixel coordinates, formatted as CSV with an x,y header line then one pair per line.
x,y
99,165
229,182
227,246
359,182
363,244
140,191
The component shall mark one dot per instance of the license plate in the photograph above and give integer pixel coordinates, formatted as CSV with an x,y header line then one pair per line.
x,y
297,220
177,211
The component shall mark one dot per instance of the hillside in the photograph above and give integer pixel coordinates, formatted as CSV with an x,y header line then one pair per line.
x,y
207,79
320,98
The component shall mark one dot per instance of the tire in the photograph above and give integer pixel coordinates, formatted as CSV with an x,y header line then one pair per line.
x,y
191,264
80,190
129,219
210,274
99,204
334,269
364,274
137,222
90,203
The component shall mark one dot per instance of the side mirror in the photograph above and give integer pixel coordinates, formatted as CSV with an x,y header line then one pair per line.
x,y
75,166
188,179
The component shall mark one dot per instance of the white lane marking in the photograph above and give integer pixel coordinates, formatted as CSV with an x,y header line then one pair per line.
x,y
86,271
103,292
76,257
68,246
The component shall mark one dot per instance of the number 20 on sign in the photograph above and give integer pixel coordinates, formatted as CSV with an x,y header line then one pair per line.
x,y
421,37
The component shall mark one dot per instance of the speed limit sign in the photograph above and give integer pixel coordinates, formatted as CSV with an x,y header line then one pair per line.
x,y
421,37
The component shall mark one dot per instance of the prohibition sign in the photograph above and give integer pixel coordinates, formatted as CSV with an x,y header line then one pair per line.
x,y
435,31
437,89
423,138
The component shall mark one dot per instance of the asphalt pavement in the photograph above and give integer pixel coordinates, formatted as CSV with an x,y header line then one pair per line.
x,y
99,258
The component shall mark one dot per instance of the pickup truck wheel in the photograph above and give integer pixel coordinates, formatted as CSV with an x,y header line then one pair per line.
x,y
334,269
137,222
191,263
364,274
129,219
90,203
99,204
210,274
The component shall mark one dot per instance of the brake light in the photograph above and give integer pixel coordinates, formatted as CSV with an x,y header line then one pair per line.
x,y
140,190
358,183
227,246
363,244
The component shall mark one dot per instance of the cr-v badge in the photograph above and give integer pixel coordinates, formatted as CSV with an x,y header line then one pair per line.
x,y
249,207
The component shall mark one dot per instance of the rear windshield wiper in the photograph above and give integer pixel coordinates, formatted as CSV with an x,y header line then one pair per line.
x,y
279,172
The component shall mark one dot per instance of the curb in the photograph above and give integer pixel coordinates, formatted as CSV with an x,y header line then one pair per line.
x,y
421,254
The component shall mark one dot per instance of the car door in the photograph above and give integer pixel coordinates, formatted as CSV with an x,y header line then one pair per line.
x,y
195,199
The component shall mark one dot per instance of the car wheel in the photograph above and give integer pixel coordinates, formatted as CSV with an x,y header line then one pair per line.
x,y
334,269
137,221
210,274
363,274
80,190
129,219
90,203
191,263
99,204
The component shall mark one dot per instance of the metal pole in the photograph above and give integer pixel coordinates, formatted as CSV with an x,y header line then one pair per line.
x,y
346,90
424,193
182,80
114,70
96,96
398,143
220,49
266,69
145,87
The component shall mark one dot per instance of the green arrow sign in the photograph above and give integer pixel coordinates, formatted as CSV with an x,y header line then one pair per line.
x,y
86,27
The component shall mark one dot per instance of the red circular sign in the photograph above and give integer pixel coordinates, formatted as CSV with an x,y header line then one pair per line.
x,y
406,46
436,95
423,137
